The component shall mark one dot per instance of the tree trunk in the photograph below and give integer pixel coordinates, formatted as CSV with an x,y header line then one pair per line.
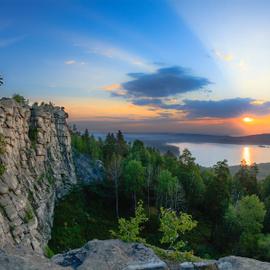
x,y
116,198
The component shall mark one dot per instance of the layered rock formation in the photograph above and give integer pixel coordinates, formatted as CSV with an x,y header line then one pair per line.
x,y
38,170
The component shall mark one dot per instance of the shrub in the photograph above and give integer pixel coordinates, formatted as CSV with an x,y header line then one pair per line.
x,y
173,226
48,252
20,99
129,230
29,215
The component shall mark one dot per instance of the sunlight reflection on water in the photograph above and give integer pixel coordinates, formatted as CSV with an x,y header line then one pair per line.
x,y
246,155
207,154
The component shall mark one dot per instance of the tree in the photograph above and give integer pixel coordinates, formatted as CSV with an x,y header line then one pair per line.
x,y
129,230
114,171
191,180
109,148
245,180
134,178
173,227
168,189
248,216
218,195
121,145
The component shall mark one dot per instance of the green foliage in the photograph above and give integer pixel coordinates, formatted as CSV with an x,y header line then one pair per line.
x,y
245,180
32,134
29,215
169,190
2,169
211,196
218,192
129,229
174,255
247,218
85,213
173,227
86,144
134,177
250,212
263,247
48,252
20,99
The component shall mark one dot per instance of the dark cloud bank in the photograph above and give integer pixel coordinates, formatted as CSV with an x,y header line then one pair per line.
x,y
154,89
163,83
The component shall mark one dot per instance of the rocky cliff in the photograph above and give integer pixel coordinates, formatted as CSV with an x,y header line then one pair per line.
x,y
38,170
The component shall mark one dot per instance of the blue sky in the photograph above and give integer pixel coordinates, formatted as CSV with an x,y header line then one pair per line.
x,y
151,65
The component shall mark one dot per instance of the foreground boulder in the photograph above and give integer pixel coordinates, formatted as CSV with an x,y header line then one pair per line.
x,y
25,259
227,263
111,255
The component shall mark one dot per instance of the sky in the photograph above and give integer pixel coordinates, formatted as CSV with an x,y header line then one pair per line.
x,y
186,66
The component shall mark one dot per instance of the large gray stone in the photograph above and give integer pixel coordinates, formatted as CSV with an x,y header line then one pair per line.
x,y
24,259
111,255
241,263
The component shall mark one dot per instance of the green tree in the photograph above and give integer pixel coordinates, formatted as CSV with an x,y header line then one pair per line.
x,y
245,180
169,190
109,148
191,180
129,230
121,144
114,171
248,216
134,178
217,196
173,227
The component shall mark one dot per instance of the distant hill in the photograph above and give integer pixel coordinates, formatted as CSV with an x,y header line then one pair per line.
x,y
264,170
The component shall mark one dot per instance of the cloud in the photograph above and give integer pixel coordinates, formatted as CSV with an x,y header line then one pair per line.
x,y
115,89
226,108
111,51
195,109
227,57
70,62
164,82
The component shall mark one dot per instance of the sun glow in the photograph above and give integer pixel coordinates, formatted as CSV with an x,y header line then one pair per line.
x,y
248,119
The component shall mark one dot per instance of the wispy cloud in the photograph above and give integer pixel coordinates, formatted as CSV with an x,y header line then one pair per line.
x,y
70,62
73,62
115,89
113,52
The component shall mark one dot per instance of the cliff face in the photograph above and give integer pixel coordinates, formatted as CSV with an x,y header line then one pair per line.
x,y
39,169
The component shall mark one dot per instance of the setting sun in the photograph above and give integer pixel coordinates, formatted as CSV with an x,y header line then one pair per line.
x,y
248,119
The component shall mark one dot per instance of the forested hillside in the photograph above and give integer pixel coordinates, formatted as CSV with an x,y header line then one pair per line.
x,y
166,202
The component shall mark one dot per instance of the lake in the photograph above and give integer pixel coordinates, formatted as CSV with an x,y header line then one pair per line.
x,y
207,154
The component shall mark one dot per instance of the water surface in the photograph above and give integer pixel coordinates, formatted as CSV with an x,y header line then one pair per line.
x,y
207,154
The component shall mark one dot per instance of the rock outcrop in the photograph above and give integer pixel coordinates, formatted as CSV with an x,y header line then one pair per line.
x,y
111,255
21,258
227,263
87,169
38,169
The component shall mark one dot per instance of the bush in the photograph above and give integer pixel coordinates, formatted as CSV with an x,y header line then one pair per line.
x,y
173,226
20,99
129,230
48,252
